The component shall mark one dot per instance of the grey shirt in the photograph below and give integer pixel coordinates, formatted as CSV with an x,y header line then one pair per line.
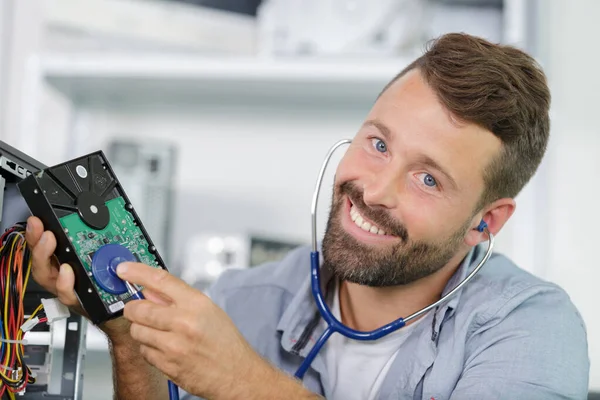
x,y
506,334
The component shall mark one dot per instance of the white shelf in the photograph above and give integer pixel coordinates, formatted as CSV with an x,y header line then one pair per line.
x,y
118,79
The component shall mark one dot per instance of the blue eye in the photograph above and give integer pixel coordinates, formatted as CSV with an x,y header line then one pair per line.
x,y
379,145
429,180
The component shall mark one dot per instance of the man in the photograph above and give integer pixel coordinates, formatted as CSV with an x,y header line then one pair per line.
x,y
448,143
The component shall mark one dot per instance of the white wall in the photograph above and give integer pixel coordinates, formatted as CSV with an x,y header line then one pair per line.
x,y
20,89
570,40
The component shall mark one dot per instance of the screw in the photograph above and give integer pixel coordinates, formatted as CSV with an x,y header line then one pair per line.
x,y
68,250
36,191
90,290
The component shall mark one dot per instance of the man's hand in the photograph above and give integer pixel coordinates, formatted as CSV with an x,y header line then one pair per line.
x,y
192,341
60,280
179,330
134,378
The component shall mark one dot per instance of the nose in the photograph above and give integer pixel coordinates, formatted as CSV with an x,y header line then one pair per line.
x,y
383,188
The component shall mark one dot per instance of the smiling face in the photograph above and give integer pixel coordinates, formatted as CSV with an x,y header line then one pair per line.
x,y
406,190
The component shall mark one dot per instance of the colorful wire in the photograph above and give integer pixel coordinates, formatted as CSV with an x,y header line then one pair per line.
x,y
15,270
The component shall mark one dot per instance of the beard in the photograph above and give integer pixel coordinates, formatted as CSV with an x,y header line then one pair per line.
x,y
398,264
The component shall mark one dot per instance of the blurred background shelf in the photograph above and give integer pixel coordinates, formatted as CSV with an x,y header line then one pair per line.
x,y
114,79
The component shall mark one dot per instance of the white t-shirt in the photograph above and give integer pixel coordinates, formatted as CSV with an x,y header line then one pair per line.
x,y
357,368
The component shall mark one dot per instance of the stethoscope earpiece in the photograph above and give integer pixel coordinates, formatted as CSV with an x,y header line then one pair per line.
x,y
482,226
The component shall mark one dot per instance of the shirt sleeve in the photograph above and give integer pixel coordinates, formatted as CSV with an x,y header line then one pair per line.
x,y
534,350
183,395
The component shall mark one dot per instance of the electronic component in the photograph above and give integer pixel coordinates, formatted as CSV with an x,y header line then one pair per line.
x,y
104,266
55,310
54,353
96,227
14,166
29,324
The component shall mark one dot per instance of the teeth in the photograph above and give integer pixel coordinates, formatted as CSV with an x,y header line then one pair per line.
x,y
359,221
364,225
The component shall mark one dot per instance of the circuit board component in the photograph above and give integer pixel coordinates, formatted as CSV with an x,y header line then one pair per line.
x,y
122,229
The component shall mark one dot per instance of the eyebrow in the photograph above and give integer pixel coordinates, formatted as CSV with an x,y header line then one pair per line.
x,y
423,159
430,162
381,127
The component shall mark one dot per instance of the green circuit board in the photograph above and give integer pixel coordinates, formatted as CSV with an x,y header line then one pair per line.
x,y
121,229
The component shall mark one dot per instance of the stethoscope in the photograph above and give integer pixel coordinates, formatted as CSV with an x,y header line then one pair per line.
x,y
333,324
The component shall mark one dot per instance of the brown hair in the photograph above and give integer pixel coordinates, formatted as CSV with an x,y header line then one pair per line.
x,y
500,88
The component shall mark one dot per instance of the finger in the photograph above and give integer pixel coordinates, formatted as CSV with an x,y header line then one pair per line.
x,y
43,269
34,231
158,359
149,336
155,297
44,249
151,315
65,286
157,280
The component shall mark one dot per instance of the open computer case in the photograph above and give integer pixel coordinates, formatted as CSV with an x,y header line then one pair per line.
x,y
54,352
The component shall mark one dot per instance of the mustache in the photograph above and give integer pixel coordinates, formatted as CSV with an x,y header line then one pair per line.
x,y
379,216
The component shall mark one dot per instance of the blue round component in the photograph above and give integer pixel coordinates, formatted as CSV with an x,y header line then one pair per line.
x,y
104,267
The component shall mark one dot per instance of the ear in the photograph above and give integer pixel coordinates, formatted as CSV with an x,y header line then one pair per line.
x,y
495,216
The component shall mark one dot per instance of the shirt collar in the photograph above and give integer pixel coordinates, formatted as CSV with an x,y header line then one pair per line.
x,y
467,264
302,309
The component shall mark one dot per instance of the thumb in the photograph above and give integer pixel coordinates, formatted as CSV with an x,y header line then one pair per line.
x,y
65,286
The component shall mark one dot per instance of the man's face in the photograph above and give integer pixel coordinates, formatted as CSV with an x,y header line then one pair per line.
x,y
406,190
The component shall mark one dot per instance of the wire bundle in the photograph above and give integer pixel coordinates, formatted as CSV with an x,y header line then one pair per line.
x,y
15,268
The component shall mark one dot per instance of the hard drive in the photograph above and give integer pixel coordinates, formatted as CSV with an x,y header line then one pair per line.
x,y
96,227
